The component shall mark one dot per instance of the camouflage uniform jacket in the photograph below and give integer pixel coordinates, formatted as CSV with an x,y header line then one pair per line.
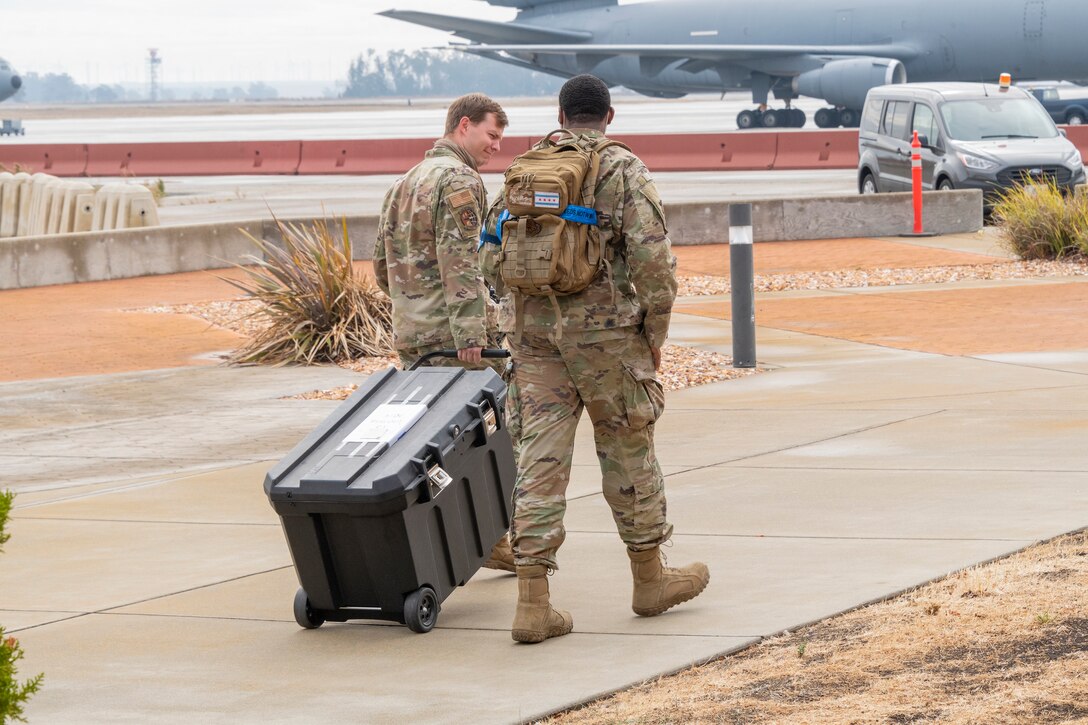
x,y
632,226
425,256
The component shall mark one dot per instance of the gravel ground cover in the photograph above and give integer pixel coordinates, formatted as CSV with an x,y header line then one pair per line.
x,y
681,367
850,278
686,367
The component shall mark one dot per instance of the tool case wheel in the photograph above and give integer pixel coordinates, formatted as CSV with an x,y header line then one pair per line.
x,y
421,610
306,617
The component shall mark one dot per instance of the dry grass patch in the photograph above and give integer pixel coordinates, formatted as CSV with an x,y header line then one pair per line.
x,y
1005,642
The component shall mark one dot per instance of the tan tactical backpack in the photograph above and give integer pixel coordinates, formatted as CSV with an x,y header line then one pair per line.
x,y
551,242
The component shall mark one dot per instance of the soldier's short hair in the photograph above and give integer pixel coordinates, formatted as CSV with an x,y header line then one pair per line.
x,y
585,99
474,106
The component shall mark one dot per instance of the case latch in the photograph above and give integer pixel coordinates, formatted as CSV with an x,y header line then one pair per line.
x,y
438,479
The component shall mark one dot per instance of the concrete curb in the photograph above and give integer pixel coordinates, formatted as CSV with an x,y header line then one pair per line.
x,y
101,255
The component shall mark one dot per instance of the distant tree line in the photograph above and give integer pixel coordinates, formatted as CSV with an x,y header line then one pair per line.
x,y
373,74
441,73
62,88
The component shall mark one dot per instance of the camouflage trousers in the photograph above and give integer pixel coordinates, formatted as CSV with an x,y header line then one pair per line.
x,y
609,374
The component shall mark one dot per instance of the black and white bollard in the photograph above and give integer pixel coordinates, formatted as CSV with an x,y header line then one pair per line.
x,y
742,286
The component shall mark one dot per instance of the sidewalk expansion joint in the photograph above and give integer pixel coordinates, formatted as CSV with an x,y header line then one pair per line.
x,y
898,470
844,434
144,521
111,610
1015,364
818,537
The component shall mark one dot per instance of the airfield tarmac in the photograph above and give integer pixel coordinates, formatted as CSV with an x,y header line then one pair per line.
x,y
193,200
383,118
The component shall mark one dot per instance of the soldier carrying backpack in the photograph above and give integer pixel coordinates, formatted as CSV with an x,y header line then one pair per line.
x,y
577,248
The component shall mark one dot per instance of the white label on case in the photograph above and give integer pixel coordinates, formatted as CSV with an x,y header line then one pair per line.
x,y
387,423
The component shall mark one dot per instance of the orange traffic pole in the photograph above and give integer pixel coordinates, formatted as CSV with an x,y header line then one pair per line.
x,y
916,181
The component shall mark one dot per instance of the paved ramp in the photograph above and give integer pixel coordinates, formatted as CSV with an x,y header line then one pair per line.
x,y
148,577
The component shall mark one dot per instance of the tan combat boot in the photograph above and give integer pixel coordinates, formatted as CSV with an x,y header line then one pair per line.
x,y
535,619
502,556
659,587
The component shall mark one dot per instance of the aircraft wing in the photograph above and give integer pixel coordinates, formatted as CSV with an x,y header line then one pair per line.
x,y
703,51
484,31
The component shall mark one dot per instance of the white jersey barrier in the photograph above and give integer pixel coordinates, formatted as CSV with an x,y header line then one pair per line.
x,y
43,204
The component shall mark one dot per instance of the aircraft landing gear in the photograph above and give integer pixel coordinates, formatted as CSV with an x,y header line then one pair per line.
x,y
850,118
835,117
771,118
749,119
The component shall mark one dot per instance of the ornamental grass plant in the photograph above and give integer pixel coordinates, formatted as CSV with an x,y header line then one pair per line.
x,y
317,306
1037,221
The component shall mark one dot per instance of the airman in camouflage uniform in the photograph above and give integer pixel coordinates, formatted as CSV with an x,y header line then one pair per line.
x,y
604,362
425,256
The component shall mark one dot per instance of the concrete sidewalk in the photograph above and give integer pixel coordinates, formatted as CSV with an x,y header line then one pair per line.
x,y
148,578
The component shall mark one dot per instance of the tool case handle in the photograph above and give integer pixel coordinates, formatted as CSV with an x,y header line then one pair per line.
x,y
490,352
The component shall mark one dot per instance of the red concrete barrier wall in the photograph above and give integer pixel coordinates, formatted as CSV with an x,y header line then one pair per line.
x,y
704,152
364,156
55,159
389,156
740,151
227,158
817,149
1079,136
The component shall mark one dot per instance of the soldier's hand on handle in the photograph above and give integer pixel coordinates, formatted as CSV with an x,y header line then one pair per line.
x,y
655,352
470,354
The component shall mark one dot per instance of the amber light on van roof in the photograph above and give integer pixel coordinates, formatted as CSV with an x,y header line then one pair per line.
x,y
1005,80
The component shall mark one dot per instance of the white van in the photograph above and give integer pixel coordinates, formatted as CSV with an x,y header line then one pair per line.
x,y
973,136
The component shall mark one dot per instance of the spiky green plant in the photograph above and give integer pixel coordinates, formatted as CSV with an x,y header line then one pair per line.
x,y
13,694
1038,221
318,308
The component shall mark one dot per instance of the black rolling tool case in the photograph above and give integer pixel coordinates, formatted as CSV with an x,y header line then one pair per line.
x,y
397,498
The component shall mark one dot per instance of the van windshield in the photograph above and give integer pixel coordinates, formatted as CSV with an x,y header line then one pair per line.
x,y
996,117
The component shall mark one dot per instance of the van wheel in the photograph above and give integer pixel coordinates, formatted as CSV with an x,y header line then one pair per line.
x,y
945,184
868,184
1075,118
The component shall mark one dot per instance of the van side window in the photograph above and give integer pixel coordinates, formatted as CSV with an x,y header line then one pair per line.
x,y
1050,94
925,123
897,119
870,117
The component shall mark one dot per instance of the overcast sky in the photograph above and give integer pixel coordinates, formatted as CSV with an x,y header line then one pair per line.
x,y
106,41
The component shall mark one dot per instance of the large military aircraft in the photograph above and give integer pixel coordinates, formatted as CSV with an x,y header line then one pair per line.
x,y
10,82
831,49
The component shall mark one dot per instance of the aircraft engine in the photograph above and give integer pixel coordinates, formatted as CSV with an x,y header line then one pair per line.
x,y
845,82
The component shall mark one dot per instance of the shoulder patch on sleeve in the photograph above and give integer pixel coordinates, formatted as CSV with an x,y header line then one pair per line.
x,y
462,197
